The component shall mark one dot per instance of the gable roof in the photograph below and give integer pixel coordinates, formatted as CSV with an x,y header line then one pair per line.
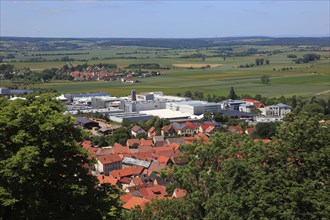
x,y
146,142
106,159
134,170
107,179
135,201
237,129
131,142
156,191
190,125
137,128
151,130
119,149
156,167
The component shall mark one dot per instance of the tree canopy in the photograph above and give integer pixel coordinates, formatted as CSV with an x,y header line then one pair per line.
x,y
43,172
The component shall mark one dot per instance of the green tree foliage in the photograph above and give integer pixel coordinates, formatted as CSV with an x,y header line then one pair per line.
x,y
235,178
266,129
264,79
100,141
232,94
120,136
42,167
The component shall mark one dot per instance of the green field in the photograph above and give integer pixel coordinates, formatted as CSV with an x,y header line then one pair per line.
x,y
301,79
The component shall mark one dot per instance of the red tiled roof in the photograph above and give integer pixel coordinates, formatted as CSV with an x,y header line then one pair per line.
x,y
131,142
125,180
143,155
210,129
175,146
237,129
163,159
145,148
106,159
205,126
190,125
134,170
156,166
136,128
146,142
126,197
166,128
151,130
201,136
107,179
119,149
156,191
137,181
250,130
88,146
179,193
135,201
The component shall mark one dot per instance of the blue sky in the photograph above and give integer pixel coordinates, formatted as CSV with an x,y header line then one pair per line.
x,y
164,19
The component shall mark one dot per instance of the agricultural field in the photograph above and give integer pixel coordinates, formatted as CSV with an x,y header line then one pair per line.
x,y
196,69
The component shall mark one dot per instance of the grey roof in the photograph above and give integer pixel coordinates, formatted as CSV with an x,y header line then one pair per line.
x,y
234,113
281,105
135,162
83,120
178,126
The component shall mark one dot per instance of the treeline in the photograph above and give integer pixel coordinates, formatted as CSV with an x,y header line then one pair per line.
x,y
58,54
49,44
298,103
144,66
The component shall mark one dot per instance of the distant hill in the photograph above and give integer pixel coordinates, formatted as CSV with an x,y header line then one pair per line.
x,y
51,44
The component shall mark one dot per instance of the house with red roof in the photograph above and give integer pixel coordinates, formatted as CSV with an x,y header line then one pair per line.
x,y
127,172
154,192
119,149
135,202
144,142
250,131
137,130
235,129
108,163
152,132
168,131
179,193
108,179
203,127
133,142
210,130
257,104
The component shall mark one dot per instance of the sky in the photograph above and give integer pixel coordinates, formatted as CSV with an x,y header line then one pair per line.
x,y
164,19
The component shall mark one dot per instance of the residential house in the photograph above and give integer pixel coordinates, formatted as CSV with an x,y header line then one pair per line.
x,y
108,163
137,130
168,131
151,132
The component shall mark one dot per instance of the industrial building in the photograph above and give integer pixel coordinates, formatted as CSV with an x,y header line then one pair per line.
x,y
193,107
